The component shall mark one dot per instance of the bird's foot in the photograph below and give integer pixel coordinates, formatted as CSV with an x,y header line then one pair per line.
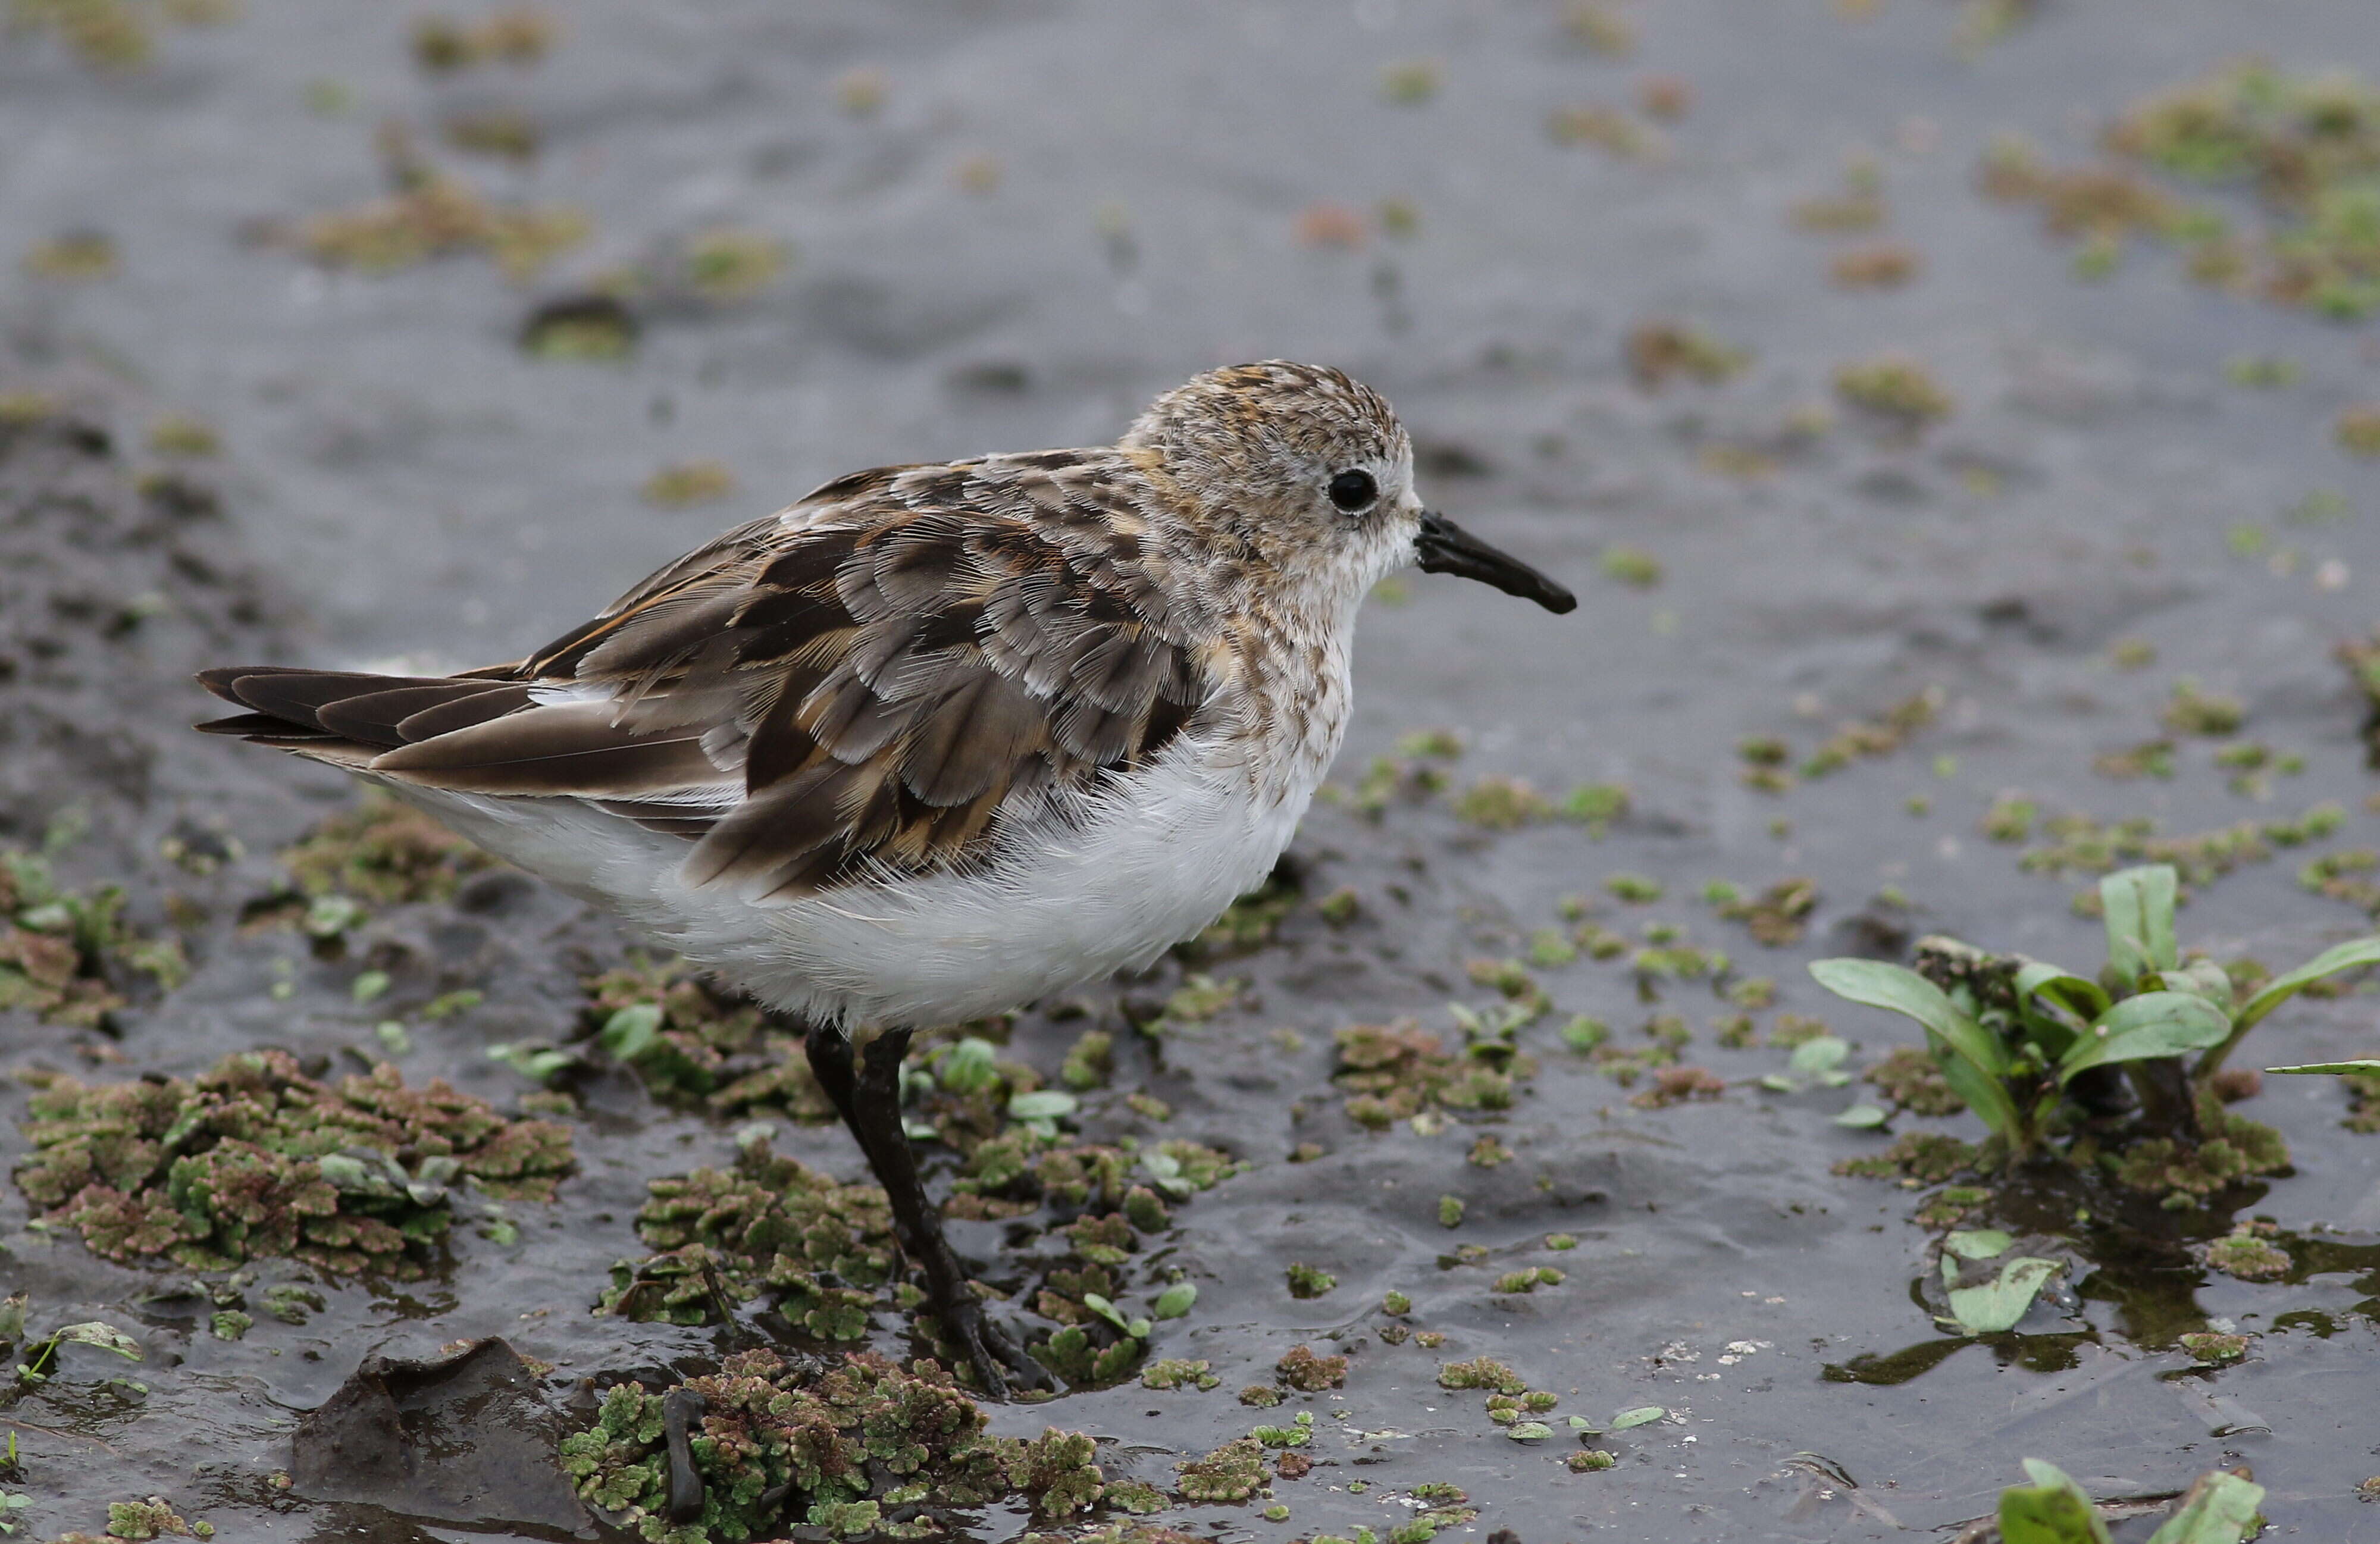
x,y
990,1350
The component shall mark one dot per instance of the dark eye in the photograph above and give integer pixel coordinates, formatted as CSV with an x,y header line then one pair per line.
x,y
1351,491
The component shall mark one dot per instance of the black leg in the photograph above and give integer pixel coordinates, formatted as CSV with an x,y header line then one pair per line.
x,y
829,1053
870,1103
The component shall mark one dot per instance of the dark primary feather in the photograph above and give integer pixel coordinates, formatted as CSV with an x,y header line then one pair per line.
x,y
877,691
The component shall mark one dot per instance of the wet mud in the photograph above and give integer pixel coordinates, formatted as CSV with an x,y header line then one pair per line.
x,y
1889,563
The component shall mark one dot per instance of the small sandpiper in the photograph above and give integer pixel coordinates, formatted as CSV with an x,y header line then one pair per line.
x,y
935,741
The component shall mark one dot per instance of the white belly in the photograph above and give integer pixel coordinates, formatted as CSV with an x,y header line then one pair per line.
x,y
1139,867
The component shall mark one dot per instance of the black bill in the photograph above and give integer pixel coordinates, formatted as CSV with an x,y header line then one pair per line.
x,y
1447,548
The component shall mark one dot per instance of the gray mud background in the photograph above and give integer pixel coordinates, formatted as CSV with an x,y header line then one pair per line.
x,y
1056,210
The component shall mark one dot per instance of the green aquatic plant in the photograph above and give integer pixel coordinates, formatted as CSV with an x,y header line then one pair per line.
x,y
252,1159
2031,1047
856,1450
2220,1508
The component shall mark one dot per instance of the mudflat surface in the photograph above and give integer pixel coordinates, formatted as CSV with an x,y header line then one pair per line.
x,y
1056,210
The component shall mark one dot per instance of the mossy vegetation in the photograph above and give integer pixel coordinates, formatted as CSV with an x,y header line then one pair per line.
x,y
2306,146
863,1447
69,956
254,1160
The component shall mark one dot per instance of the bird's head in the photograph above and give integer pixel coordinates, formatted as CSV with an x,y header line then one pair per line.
x,y
1309,473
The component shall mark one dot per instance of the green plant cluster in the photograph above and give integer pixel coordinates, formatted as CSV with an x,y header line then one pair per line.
x,y
384,852
2220,1507
1395,1071
2014,1038
688,1044
864,1448
2308,145
253,1158
64,955
722,1236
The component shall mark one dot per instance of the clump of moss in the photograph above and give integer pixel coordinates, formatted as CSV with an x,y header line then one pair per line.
x,y
2306,144
1878,265
385,851
1928,1157
253,1160
1496,803
1232,1473
1394,1072
68,956
1481,1372
688,1042
2079,844
519,36
854,1450
1777,916
114,34
768,1224
1765,757
1309,1281
1089,1060
78,256
1911,1078
2245,1253
1308,1373
1632,566
152,1518
1588,1459
1679,1085
1175,1373
2208,1347
685,483
1859,206
1659,352
1528,1279
1605,127
1249,923
430,213
2192,712
2232,1148
1899,390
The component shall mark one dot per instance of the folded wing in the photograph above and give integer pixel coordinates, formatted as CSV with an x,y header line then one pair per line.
x,y
880,691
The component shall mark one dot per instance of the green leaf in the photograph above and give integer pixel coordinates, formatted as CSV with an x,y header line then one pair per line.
x,y
969,1066
1819,1054
2052,1510
98,1333
2153,1024
1105,1309
2082,996
2139,904
2330,961
1528,1431
1998,1304
2365,1067
632,1031
2200,978
1862,1117
1640,1415
1175,1300
1904,991
1977,1243
1046,1104
2219,1508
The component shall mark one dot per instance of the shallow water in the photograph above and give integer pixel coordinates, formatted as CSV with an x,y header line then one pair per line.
x,y
415,486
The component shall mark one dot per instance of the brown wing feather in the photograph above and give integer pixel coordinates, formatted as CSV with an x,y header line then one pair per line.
x,y
874,692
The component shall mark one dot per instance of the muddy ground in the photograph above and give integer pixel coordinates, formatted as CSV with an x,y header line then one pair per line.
x,y
1008,227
